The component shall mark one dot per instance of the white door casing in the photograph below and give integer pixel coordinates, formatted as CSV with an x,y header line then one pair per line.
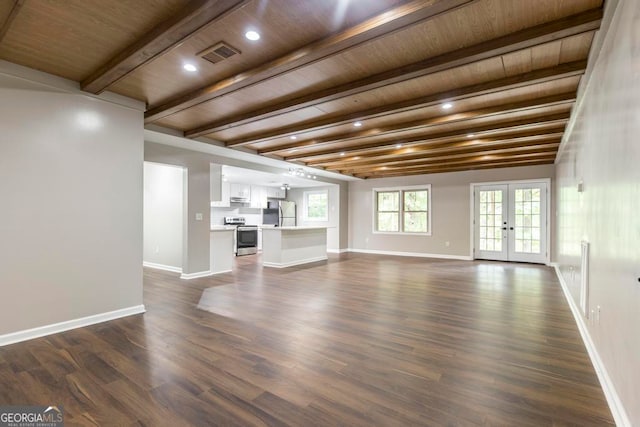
x,y
510,221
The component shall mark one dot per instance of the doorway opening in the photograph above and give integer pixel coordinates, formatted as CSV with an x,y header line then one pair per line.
x,y
164,216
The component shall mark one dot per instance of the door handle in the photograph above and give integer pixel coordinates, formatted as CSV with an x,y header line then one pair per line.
x,y
510,228
504,228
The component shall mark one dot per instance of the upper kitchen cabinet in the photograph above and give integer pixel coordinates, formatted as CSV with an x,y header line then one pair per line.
x,y
240,193
258,197
276,193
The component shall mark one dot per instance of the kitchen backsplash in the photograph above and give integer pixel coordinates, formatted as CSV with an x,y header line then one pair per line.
x,y
252,215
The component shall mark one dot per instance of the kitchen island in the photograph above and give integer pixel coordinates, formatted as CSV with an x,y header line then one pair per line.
x,y
221,245
288,246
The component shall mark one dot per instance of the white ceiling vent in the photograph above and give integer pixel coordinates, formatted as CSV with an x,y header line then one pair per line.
x,y
218,52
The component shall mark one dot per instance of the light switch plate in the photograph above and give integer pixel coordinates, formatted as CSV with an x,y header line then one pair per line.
x,y
198,217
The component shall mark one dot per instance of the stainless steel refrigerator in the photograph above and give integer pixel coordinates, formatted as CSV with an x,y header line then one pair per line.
x,y
286,213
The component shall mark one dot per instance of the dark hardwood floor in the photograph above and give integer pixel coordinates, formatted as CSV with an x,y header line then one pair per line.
x,y
360,340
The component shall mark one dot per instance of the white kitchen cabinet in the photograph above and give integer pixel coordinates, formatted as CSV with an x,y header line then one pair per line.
x,y
240,191
224,196
276,193
258,197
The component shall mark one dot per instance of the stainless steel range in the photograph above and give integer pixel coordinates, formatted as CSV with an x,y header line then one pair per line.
x,y
246,235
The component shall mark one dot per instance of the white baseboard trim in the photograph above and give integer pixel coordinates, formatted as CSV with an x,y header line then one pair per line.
x,y
293,263
220,272
411,254
337,251
189,276
615,405
162,267
55,328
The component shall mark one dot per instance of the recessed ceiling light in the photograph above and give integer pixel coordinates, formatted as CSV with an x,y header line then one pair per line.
x,y
384,168
447,106
190,67
293,137
398,145
356,158
470,135
357,124
252,35
342,154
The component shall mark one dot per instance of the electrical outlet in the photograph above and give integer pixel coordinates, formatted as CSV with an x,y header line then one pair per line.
x,y
199,216
447,243
598,315
157,250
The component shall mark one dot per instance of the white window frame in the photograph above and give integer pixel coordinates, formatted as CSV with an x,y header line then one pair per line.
x,y
374,209
305,206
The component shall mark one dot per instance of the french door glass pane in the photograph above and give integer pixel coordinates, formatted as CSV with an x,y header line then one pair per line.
x,y
527,226
491,220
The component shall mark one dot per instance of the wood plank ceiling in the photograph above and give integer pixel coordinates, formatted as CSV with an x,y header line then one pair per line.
x,y
369,88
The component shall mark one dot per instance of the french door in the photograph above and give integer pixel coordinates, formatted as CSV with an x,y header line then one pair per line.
x,y
510,222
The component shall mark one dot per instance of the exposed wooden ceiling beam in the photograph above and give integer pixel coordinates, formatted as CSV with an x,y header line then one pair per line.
x,y
495,131
428,145
487,154
467,146
500,127
194,16
383,24
529,37
458,162
17,5
461,116
479,166
534,77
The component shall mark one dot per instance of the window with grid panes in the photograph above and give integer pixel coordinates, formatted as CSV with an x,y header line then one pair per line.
x,y
402,210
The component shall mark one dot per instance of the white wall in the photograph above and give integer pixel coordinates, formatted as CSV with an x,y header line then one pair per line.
x,y
71,202
163,215
450,210
333,232
603,150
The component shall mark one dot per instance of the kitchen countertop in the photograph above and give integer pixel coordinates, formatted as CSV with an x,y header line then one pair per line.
x,y
300,227
222,228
